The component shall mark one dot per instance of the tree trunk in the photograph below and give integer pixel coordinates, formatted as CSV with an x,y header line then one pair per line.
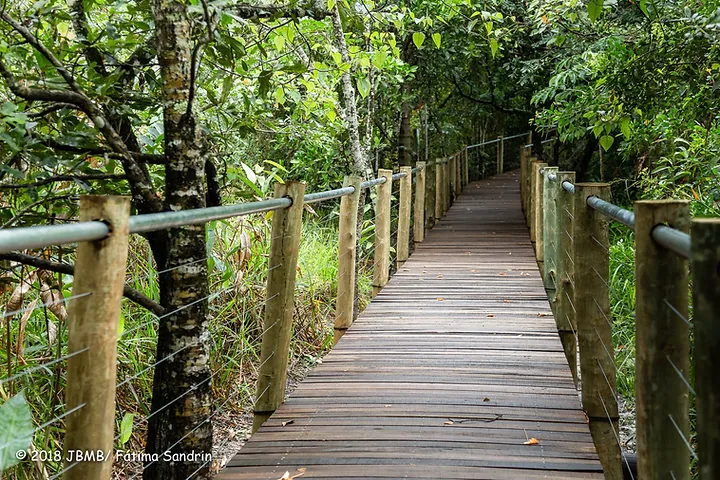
x,y
583,161
182,397
360,163
404,137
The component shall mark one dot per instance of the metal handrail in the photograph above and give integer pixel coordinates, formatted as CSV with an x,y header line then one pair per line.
x,y
497,140
674,240
43,236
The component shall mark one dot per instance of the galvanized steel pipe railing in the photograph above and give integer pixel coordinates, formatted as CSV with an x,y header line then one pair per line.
x,y
674,240
489,142
43,236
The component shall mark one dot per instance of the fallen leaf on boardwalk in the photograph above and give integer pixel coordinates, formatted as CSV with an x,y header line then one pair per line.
x,y
440,299
288,422
386,406
532,441
486,399
449,422
287,475
490,315
542,314
474,271
502,274
506,301
439,276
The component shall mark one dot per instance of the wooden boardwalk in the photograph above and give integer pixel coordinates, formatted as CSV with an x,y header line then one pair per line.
x,y
451,368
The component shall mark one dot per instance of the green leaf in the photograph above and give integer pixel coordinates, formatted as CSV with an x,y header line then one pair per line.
x,y
494,47
121,324
644,8
379,58
279,42
625,127
264,79
418,39
276,165
363,86
606,141
595,9
436,39
16,430
331,4
126,428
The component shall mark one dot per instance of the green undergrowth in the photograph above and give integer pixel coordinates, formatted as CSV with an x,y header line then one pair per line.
x,y
238,251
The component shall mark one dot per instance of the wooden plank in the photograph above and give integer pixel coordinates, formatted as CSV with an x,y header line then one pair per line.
x,y
454,365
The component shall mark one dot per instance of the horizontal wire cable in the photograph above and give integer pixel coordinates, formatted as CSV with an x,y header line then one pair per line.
x,y
200,340
617,437
167,270
603,313
682,436
44,305
44,365
49,422
598,242
680,374
677,312
190,389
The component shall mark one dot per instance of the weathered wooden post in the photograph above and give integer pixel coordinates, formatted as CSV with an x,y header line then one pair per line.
x,y
662,345
501,163
564,254
93,331
403,233
381,270
444,200
347,251
523,194
447,186
430,193
529,189
419,211
452,169
705,265
592,304
531,199
439,202
458,173
538,213
466,169
279,303
550,239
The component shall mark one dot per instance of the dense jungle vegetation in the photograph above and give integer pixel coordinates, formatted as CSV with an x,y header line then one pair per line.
x,y
191,103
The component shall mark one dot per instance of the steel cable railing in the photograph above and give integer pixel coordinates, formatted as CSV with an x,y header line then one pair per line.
x,y
128,379
663,330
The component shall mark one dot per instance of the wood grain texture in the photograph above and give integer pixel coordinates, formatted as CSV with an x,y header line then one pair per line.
x,y
662,339
93,330
452,367
280,303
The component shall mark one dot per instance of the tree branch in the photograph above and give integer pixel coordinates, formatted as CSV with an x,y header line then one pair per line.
x,y
129,293
149,158
483,101
51,109
141,186
63,178
257,12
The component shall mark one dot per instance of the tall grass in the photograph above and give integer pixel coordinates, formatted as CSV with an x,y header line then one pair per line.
x,y
237,280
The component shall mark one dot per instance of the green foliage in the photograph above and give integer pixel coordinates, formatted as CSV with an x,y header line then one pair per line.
x,y
16,431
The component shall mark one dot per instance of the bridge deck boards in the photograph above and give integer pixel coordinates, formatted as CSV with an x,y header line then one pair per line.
x,y
446,374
